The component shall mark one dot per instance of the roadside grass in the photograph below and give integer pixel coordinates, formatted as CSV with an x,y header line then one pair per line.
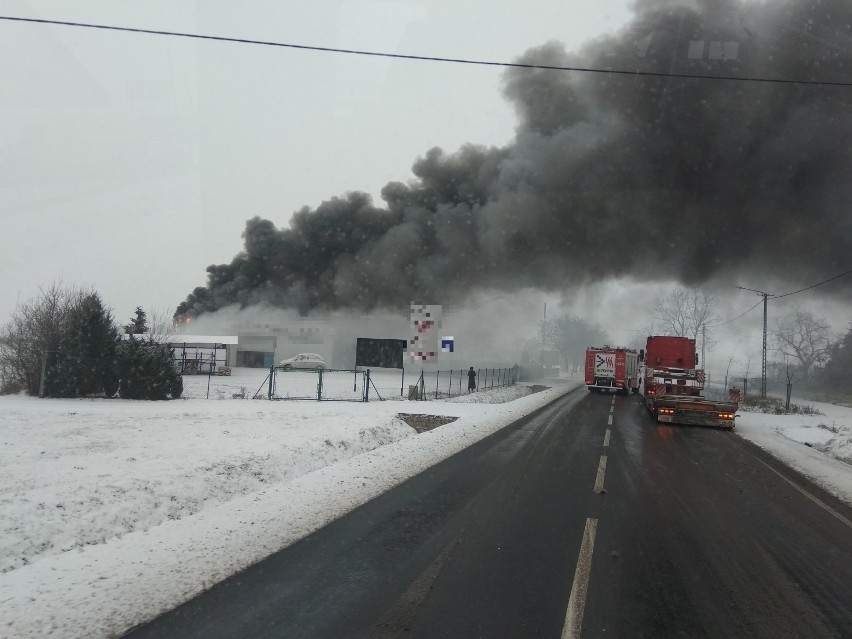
x,y
776,406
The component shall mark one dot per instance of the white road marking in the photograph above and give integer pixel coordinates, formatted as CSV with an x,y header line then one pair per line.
x,y
609,421
612,409
599,480
606,437
818,502
577,600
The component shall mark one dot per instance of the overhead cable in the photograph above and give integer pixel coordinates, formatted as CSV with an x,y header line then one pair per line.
x,y
402,56
807,288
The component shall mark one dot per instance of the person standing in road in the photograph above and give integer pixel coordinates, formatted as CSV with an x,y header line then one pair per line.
x,y
471,380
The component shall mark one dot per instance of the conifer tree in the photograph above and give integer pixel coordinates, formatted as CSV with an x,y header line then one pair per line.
x,y
147,371
138,325
87,354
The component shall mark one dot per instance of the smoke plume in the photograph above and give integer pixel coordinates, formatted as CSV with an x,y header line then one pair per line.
x,y
650,177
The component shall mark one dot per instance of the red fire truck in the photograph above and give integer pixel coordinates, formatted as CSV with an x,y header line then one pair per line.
x,y
612,369
674,385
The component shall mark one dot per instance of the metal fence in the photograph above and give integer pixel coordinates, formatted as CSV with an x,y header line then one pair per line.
x,y
340,385
421,385
319,384
238,383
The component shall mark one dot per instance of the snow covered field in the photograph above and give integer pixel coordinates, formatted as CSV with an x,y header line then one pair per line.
x,y
112,512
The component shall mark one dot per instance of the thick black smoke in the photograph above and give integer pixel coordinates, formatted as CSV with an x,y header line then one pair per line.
x,y
610,175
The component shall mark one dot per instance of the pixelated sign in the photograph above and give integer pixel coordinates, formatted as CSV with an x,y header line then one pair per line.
x,y
448,344
424,324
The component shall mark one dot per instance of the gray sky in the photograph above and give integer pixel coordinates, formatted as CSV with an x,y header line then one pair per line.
x,y
132,161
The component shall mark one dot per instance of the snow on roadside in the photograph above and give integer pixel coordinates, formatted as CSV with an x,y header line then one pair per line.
x,y
164,499
817,446
113,512
78,472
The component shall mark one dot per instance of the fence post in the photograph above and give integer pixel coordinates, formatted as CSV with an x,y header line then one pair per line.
x,y
422,383
209,376
319,385
271,382
367,386
450,385
402,383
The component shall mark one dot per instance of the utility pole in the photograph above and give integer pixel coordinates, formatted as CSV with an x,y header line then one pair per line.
x,y
766,297
703,342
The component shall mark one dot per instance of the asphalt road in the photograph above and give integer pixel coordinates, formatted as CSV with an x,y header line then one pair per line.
x,y
585,519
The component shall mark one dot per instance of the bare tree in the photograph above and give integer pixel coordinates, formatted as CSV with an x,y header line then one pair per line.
x,y
688,314
572,335
640,336
36,328
789,388
801,336
731,361
745,376
685,313
547,333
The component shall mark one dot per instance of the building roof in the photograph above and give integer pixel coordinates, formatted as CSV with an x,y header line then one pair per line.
x,y
202,339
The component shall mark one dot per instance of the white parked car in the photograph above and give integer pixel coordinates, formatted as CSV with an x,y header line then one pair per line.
x,y
303,360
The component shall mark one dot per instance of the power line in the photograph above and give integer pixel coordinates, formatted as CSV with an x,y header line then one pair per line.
x,y
737,317
807,288
383,54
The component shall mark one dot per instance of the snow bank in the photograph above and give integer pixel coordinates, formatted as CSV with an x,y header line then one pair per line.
x,y
117,511
114,512
817,446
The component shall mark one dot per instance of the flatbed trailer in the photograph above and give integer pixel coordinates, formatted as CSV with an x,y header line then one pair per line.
x,y
674,386
695,411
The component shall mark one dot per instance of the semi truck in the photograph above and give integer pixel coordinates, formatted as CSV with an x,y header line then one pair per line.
x,y
674,386
612,369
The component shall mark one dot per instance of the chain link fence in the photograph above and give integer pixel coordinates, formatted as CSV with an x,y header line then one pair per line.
x,y
227,383
319,384
340,385
422,385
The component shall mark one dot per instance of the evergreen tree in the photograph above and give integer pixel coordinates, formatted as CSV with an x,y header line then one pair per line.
x,y
138,325
147,371
86,361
